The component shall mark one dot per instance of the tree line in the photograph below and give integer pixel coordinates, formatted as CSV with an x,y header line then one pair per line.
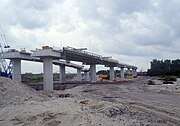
x,y
164,67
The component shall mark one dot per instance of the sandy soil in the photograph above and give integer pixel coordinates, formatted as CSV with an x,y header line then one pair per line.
x,y
130,104
165,88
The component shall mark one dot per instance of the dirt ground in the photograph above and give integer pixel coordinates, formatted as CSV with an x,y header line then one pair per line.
x,y
132,103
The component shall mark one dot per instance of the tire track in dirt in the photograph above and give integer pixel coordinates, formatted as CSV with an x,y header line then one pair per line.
x,y
158,112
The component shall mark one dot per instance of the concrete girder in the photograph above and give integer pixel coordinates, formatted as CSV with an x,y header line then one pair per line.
x,y
81,56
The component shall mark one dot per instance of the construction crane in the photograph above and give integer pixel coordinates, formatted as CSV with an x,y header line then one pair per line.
x,y
5,68
4,40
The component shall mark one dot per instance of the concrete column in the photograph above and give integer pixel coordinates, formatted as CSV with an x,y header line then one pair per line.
x,y
62,76
16,75
122,72
128,72
111,73
86,75
93,72
48,73
79,78
134,72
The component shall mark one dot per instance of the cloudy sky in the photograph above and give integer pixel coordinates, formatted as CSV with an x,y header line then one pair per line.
x,y
132,31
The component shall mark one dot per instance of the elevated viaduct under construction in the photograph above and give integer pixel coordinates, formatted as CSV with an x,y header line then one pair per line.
x,y
49,56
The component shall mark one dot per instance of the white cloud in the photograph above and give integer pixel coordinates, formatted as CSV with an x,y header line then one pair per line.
x,y
132,31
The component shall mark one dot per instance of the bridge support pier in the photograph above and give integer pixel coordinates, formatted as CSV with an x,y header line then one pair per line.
x,y
48,73
129,72
62,76
111,73
122,72
134,72
93,73
16,75
86,75
79,78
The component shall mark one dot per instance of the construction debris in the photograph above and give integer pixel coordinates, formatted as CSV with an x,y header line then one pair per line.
x,y
150,82
84,102
65,96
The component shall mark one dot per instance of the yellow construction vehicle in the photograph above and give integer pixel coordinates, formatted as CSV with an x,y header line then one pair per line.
x,y
104,76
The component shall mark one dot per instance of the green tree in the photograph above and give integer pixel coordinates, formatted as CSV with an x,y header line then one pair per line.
x,y
164,67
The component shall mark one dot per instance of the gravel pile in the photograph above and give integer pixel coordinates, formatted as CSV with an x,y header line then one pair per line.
x,y
12,92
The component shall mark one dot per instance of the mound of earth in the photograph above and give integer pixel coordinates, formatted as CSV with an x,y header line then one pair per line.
x,y
13,92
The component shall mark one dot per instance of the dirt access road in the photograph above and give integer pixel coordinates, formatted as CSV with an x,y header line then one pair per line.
x,y
136,95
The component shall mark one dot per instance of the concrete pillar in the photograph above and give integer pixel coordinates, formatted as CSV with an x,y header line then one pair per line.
x,y
48,73
86,75
62,76
128,72
122,72
111,73
79,78
93,72
16,75
134,72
